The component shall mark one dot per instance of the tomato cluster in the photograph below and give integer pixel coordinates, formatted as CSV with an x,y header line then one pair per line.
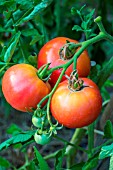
x,y
70,106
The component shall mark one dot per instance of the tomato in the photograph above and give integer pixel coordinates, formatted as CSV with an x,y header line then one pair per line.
x,y
76,109
22,88
49,53
42,139
37,121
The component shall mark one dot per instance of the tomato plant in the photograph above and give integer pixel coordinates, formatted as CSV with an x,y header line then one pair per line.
x,y
77,108
75,103
49,53
22,88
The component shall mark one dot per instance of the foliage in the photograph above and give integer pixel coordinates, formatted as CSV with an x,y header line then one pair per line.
x,y
25,26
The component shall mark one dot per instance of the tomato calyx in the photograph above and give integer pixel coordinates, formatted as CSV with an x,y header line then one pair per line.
x,y
43,72
68,50
74,83
53,129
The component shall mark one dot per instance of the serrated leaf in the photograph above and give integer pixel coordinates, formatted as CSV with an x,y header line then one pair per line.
x,y
13,129
106,151
44,4
59,158
19,138
111,163
42,163
108,129
10,51
6,144
77,28
91,163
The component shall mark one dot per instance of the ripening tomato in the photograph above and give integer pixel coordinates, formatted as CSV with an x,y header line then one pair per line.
x,y
22,88
75,109
49,53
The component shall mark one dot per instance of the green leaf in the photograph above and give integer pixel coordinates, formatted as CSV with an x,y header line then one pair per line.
x,y
44,4
10,5
10,51
59,158
105,94
25,4
73,11
95,72
6,144
31,166
77,28
106,151
105,73
108,129
89,16
13,129
42,163
111,163
4,163
19,138
108,83
36,38
91,163
78,166
7,14
29,32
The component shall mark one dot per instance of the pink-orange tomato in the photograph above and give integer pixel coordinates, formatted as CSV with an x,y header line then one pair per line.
x,y
22,88
49,53
76,109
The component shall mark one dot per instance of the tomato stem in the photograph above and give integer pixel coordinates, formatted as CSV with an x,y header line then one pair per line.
x,y
83,45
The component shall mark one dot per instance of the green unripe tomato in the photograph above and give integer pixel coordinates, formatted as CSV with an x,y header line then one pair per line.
x,y
37,121
42,139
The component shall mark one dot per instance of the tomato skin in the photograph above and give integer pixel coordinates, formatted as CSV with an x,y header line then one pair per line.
x,y
42,139
37,121
76,109
49,53
22,88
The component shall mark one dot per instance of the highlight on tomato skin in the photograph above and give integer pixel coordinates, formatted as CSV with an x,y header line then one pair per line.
x,y
76,109
49,53
22,88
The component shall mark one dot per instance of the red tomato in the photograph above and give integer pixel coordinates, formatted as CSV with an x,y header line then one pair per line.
x,y
79,108
49,53
22,88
